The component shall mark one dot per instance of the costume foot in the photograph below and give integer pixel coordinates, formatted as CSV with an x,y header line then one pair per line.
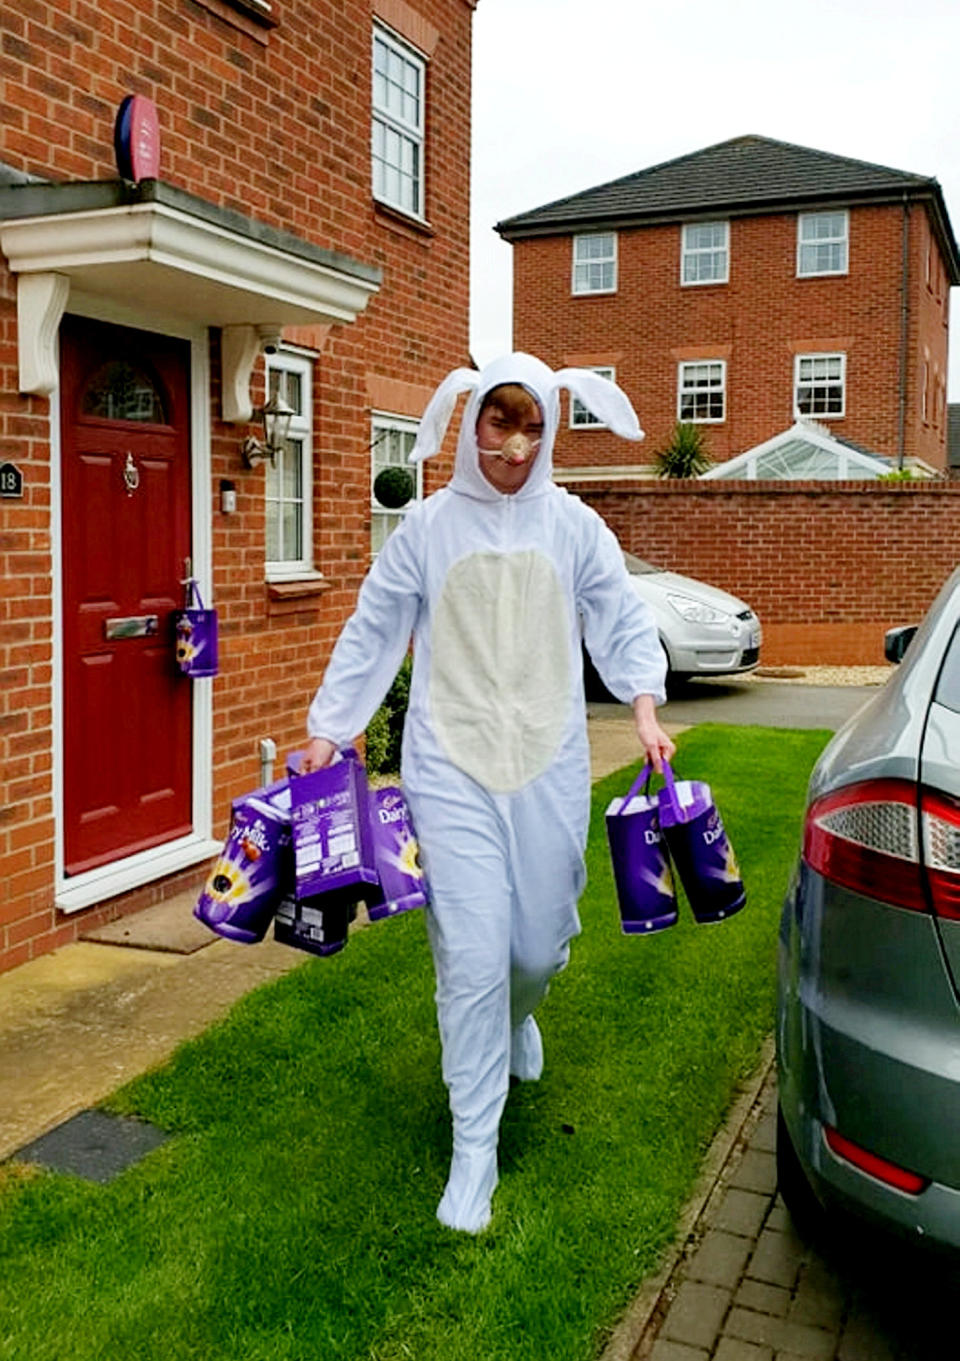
x,y
526,1051
466,1200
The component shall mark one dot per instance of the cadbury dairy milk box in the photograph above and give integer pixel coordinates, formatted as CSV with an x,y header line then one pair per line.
x,y
641,865
332,842
701,851
254,869
396,854
317,925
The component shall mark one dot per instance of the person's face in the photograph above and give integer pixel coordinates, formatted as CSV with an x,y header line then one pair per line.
x,y
508,470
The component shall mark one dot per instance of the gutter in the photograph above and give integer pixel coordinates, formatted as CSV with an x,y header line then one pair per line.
x,y
904,319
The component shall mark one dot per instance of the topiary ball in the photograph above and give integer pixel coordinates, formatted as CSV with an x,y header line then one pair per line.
x,y
393,487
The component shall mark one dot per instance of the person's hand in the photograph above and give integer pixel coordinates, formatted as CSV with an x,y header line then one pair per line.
x,y
319,752
658,746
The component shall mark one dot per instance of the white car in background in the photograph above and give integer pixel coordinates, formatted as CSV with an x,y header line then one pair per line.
x,y
703,631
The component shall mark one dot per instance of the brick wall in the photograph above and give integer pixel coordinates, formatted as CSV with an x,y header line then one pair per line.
x,y
757,323
274,123
827,568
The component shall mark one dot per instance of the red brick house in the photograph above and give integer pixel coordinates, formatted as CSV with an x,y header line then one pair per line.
x,y
741,287
305,235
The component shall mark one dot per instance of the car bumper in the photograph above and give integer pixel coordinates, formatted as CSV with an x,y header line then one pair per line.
x,y
712,659
867,1030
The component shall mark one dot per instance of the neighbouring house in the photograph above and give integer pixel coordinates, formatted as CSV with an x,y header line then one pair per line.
x,y
286,217
741,288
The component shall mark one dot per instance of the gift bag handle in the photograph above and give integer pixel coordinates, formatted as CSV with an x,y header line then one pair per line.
x,y
191,593
643,781
638,783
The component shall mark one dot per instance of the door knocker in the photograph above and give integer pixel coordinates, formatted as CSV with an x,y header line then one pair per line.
x,y
131,475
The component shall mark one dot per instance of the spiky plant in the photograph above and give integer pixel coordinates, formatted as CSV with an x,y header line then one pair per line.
x,y
685,455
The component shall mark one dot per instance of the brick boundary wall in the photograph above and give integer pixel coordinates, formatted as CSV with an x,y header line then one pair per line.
x,y
827,568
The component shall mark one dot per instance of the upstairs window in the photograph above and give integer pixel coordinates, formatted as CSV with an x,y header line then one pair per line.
x,y
820,384
702,391
391,442
289,531
823,243
399,78
705,253
595,263
581,417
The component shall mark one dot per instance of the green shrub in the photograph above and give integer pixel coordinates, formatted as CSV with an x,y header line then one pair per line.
x,y
385,729
686,453
378,741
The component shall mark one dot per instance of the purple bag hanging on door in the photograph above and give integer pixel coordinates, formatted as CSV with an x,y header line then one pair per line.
x,y
641,865
196,635
700,849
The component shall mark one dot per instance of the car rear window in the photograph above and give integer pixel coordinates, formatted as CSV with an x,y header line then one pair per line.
x,y
948,682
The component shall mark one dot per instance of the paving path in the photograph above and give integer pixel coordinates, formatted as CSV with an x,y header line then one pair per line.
x,y
745,1287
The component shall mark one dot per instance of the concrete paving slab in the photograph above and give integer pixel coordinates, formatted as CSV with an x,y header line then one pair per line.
x,y
80,1022
169,926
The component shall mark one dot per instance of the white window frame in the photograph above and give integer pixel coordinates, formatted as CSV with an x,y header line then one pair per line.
x,y
686,388
799,361
841,239
301,430
692,253
581,417
578,266
392,124
380,423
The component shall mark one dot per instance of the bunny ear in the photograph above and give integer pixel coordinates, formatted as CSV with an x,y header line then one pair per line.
x,y
603,398
436,417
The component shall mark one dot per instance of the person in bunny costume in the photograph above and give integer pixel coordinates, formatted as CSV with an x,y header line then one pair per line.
x,y
496,577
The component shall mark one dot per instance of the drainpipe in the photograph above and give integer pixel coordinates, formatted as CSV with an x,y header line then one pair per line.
x,y
904,316
268,754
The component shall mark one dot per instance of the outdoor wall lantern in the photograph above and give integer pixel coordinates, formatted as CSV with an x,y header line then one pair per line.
x,y
276,416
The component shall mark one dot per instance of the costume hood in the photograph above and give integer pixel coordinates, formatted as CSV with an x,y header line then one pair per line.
x,y
599,395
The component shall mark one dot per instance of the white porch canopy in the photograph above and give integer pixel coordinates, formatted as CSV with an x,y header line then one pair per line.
x,y
177,255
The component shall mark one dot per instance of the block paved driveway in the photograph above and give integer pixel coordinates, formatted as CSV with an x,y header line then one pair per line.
x,y
749,1289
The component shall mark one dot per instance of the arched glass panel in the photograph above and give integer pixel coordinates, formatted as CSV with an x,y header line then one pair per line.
x,y
119,391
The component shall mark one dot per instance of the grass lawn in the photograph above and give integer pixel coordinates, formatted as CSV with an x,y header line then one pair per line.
x,y
292,1218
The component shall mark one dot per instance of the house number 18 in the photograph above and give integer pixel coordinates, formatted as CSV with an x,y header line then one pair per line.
x,y
11,480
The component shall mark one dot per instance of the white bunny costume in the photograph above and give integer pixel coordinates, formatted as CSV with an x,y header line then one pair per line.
x,y
495,590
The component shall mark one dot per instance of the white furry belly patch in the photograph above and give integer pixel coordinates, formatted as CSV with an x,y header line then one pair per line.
x,y
500,674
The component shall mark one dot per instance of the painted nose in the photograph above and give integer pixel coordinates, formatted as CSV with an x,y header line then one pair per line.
x,y
516,449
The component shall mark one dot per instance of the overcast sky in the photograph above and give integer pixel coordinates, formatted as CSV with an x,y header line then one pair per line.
x,y
569,94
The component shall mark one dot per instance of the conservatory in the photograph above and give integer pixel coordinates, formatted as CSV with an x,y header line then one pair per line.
x,y
809,452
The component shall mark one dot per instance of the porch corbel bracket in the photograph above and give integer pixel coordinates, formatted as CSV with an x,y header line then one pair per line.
x,y
239,347
41,300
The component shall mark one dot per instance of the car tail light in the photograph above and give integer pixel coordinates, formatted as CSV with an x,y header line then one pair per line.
x,y
941,851
889,1173
865,837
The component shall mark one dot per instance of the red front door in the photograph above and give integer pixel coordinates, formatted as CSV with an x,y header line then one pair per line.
x,y
126,532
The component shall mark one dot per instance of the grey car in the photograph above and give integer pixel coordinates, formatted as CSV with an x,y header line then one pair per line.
x,y
868,1020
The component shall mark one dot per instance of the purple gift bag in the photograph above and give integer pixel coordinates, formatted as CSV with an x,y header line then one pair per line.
x,y
397,856
700,849
196,635
254,869
641,865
